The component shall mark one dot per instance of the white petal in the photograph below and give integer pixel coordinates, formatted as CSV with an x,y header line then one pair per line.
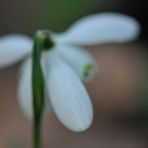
x,y
25,90
13,48
79,59
101,28
69,99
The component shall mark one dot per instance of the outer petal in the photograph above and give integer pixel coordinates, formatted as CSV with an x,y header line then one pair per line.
x,y
101,28
25,90
79,59
69,98
13,48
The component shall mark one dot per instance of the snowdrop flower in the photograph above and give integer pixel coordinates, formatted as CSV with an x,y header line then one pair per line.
x,y
66,65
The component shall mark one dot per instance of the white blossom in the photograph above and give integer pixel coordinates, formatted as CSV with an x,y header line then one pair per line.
x,y
67,65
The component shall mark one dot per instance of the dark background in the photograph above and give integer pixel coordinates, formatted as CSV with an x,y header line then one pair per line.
x,y
26,16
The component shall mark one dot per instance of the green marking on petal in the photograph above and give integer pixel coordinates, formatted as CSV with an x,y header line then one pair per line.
x,y
88,70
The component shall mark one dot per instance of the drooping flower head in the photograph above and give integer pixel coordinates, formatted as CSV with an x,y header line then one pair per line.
x,y
67,65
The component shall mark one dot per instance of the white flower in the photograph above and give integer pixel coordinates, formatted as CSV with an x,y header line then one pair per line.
x,y
67,65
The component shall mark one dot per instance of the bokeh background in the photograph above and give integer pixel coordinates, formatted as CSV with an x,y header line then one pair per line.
x,y
119,91
26,16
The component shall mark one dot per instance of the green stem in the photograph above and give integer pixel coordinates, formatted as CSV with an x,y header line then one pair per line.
x,y
41,43
37,135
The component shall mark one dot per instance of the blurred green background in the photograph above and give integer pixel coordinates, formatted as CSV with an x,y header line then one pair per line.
x,y
26,16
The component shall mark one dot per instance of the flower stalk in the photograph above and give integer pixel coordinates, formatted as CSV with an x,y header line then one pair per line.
x,y
41,43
